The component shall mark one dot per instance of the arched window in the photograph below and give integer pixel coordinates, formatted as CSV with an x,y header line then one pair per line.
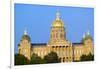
x,y
63,59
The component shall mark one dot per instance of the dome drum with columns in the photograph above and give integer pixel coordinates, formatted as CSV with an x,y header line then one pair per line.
x,y
66,50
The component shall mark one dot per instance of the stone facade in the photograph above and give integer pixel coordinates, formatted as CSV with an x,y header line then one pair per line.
x,y
66,51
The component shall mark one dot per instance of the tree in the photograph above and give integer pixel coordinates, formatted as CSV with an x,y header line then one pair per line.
x,y
21,60
51,58
91,57
88,57
35,59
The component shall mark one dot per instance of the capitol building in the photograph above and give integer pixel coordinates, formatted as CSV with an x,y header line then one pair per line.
x,y
66,50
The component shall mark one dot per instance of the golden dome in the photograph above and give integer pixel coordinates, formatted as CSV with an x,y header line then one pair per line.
x,y
58,22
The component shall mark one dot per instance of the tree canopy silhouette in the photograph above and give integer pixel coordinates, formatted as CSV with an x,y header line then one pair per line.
x,y
89,57
52,57
21,60
35,59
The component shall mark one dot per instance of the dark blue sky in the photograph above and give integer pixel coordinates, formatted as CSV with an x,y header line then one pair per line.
x,y
37,19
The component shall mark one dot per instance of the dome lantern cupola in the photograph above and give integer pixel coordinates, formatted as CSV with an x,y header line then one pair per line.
x,y
58,22
25,32
57,16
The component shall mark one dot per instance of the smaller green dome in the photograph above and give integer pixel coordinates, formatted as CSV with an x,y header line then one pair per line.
x,y
86,37
26,37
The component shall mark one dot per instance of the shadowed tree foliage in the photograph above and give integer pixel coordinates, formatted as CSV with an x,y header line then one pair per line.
x,y
21,60
51,58
89,57
35,59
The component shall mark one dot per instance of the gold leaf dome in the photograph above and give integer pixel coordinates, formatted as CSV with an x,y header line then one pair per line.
x,y
58,22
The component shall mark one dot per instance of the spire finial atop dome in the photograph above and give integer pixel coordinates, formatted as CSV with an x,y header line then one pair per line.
x,y
88,33
57,15
25,32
